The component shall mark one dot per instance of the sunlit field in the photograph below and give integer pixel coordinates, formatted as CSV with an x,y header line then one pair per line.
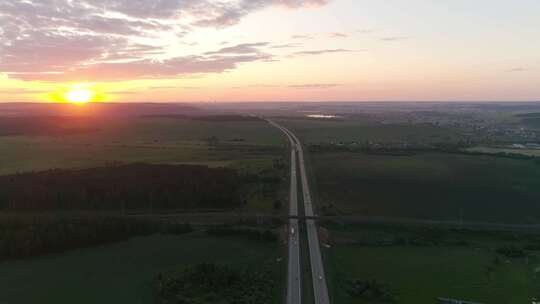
x,y
156,140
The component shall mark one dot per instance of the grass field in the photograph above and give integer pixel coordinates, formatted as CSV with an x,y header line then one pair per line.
x,y
356,130
154,140
532,122
123,272
430,186
249,146
420,274
490,150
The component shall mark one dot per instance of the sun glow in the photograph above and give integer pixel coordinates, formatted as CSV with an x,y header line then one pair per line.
x,y
79,95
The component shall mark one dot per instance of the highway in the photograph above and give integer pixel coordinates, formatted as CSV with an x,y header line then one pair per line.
x,y
294,290
294,268
318,276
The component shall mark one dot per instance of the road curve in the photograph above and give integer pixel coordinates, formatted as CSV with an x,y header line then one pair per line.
x,y
318,276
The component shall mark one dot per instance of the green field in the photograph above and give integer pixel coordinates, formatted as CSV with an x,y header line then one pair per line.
x,y
154,140
532,122
430,186
358,130
420,273
492,150
249,146
123,272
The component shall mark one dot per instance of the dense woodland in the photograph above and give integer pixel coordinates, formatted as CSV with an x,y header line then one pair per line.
x,y
63,204
370,291
26,236
399,150
210,283
251,234
124,187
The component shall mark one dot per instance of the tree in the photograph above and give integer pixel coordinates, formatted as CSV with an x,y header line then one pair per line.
x,y
277,205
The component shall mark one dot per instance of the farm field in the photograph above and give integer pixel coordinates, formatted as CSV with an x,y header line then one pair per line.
x,y
531,120
153,140
250,146
492,150
358,130
123,272
466,266
437,186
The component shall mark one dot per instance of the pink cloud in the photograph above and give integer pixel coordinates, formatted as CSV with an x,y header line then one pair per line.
x,y
66,40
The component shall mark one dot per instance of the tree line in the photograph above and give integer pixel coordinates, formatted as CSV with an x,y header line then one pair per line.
x,y
251,234
27,236
211,283
132,186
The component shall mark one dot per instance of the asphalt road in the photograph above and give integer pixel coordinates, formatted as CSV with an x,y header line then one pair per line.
x,y
318,276
320,289
294,290
294,271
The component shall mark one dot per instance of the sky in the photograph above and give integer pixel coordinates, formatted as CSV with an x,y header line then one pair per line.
x,y
270,50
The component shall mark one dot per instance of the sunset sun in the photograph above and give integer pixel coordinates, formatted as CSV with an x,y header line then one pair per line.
x,y
79,96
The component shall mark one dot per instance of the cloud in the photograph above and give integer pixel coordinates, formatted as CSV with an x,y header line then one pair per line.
x,y
299,3
338,35
286,46
293,86
173,87
322,52
55,51
518,70
123,92
365,31
394,38
101,39
303,37
221,14
21,91
315,86
152,88
80,16
258,86
146,68
244,48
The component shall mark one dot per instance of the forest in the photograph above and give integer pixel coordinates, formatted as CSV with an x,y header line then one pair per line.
x,y
251,234
27,236
123,187
211,283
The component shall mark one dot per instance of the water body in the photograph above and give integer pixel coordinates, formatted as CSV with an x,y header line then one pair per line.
x,y
323,116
